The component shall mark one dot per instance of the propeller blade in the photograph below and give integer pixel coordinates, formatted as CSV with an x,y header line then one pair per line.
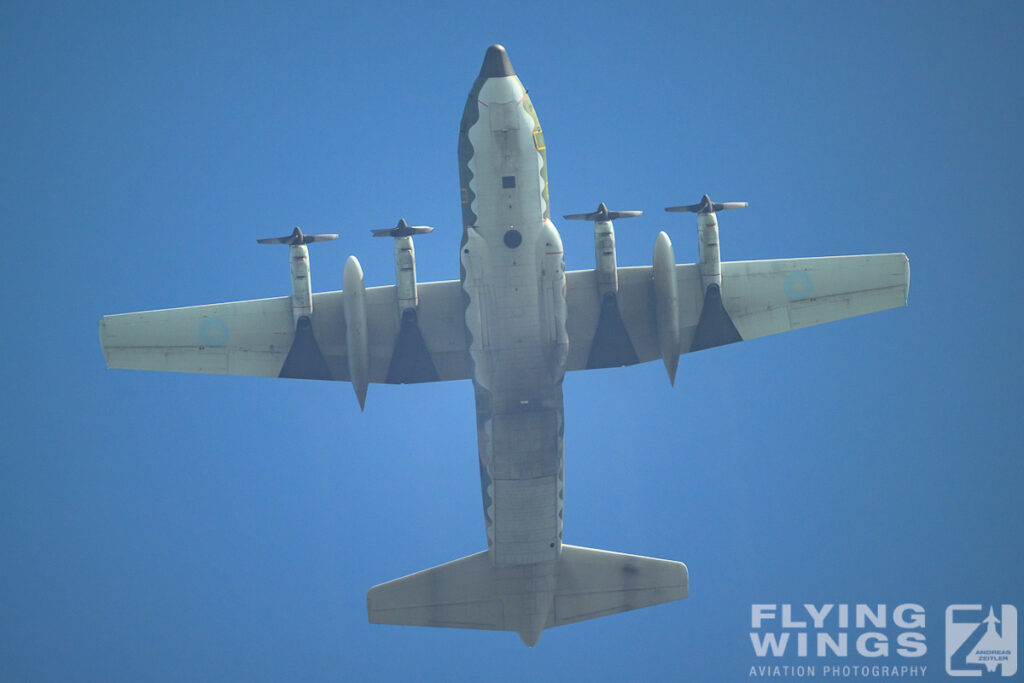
x,y
403,229
602,214
615,215
297,238
326,237
689,208
707,206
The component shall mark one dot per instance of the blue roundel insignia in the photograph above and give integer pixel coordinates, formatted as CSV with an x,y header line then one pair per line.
x,y
213,332
798,286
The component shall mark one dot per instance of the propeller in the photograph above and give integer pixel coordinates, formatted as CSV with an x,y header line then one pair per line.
x,y
297,238
403,229
602,214
706,206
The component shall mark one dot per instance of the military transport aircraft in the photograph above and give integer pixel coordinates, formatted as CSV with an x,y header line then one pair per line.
x,y
514,322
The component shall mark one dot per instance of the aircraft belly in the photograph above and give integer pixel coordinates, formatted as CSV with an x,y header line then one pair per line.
x,y
520,435
522,446
513,279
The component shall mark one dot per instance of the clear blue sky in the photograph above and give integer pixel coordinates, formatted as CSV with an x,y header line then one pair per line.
x,y
182,527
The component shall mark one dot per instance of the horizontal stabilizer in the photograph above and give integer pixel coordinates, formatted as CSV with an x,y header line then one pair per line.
x,y
473,593
596,583
459,594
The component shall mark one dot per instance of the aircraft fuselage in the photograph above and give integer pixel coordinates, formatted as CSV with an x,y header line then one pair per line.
x,y
513,279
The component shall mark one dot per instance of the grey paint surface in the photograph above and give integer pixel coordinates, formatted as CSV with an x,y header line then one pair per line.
x,y
515,321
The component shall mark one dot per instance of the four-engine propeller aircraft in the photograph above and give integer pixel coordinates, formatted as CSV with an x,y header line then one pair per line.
x,y
514,322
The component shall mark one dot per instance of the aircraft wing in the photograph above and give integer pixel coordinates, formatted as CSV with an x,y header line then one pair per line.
x,y
757,298
259,338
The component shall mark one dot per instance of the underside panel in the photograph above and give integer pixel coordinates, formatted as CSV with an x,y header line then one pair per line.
x,y
612,346
305,360
768,297
410,361
757,298
715,327
258,338
472,593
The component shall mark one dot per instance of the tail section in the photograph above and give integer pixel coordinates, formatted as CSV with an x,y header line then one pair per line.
x,y
596,583
473,593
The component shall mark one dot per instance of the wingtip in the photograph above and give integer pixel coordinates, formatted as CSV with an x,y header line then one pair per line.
x,y
906,274
103,346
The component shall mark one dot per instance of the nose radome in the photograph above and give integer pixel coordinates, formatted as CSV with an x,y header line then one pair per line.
x,y
496,64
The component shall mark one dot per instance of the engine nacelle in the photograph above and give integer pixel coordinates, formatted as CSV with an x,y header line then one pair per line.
x,y
405,275
298,256
707,237
302,288
710,254
604,257
604,246
405,263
